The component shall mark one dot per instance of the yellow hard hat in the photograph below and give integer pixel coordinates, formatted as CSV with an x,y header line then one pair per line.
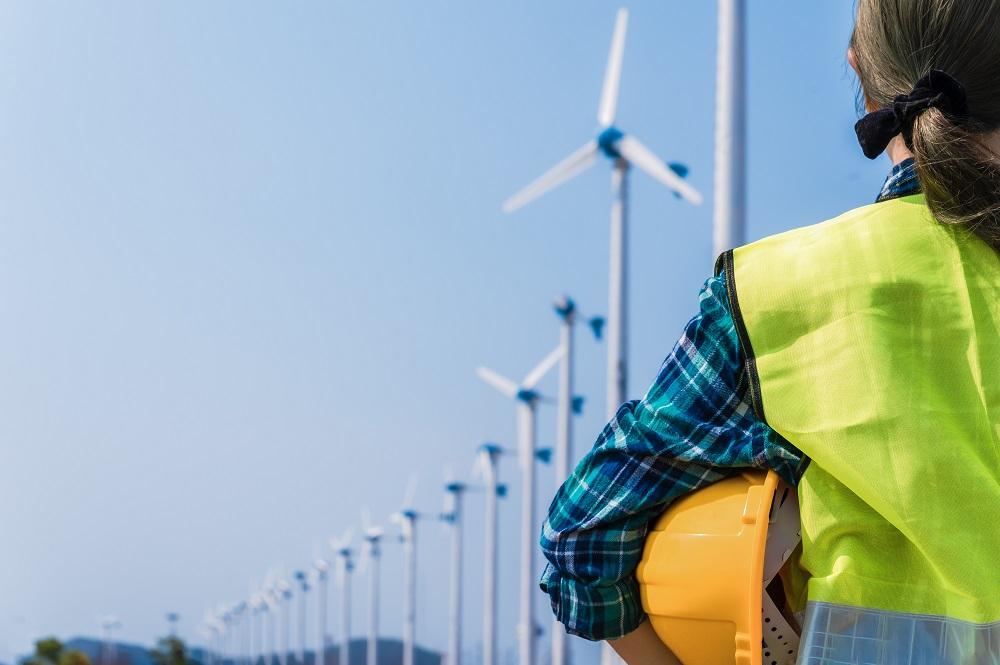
x,y
707,564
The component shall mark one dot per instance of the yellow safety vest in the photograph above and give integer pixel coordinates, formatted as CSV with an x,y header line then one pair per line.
x,y
873,345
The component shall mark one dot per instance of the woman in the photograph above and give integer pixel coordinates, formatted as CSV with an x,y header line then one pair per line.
x,y
860,360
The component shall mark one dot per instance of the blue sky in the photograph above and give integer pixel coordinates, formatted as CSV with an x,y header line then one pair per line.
x,y
250,254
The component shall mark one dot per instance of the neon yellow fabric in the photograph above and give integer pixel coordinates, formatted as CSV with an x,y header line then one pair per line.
x,y
876,339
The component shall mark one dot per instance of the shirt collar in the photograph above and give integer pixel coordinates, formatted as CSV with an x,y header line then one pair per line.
x,y
902,181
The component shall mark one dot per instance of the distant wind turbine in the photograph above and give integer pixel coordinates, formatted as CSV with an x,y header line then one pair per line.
x,y
406,518
320,568
568,404
527,399
109,654
303,579
285,595
373,536
452,516
342,547
486,467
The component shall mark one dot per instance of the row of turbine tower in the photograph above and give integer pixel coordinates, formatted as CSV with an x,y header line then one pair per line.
x,y
259,629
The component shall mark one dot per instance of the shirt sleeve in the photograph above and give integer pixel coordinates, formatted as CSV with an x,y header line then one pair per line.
x,y
694,427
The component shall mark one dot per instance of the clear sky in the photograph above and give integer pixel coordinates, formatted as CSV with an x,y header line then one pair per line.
x,y
250,254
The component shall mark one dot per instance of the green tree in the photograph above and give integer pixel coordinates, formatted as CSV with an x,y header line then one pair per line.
x,y
170,651
51,651
74,657
47,652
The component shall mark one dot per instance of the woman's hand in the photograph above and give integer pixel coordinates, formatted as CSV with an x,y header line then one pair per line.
x,y
643,647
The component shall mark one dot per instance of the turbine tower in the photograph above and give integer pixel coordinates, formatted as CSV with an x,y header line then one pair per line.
x,y
372,535
486,467
730,128
527,399
341,546
452,516
624,150
320,568
303,579
271,606
567,406
406,518
109,652
285,591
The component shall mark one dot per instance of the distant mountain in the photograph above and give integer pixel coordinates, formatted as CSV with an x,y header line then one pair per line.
x,y
390,652
125,653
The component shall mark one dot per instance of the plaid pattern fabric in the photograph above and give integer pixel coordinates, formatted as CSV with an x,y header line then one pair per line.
x,y
694,427
902,181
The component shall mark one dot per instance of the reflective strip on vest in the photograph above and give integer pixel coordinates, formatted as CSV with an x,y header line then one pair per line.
x,y
839,634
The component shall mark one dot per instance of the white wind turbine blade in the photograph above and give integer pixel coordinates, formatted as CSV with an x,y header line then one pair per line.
x,y
542,368
411,491
501,383
479,465
638,154
337,544
573,165
613,74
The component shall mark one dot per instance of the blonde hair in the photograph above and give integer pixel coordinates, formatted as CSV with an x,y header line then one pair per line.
x,y
895,42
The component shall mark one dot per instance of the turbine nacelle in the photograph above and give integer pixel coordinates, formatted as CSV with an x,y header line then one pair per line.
x,y
608,141
565,308
624,150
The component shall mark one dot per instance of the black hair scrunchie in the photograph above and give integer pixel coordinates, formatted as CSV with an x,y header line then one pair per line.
x,y
936,89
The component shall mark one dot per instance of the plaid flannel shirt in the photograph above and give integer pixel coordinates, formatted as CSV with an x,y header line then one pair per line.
x,y
694,427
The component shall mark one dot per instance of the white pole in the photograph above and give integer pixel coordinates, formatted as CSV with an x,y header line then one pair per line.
x,y
618,290
344,657
526,453
252,615
373,604
409,585
272,635
730,129
455,594
286,646
247,620
321,585
617,312
490,561
564,445
302,622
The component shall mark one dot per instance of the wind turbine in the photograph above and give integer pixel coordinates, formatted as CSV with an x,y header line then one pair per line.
x,y
271,607
567,406
527,399
320,568
238,631
257,608
486,467
303,579
341,546
109,653
284,590
172,619
225,633
406,518
452,516
372,536
212,632
624,150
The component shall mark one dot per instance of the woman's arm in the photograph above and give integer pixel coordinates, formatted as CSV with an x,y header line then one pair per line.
x,y
692,428
643,647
